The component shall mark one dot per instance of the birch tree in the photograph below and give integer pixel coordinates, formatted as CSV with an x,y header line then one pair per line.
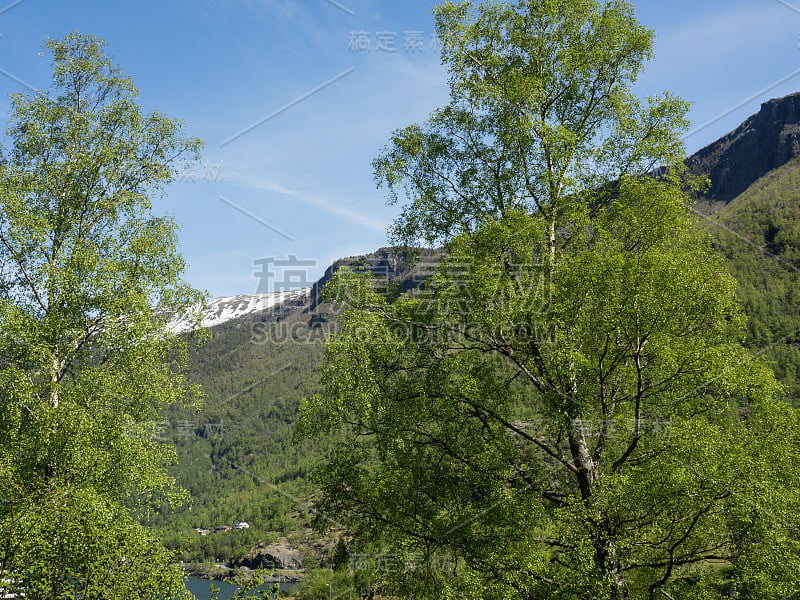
x,y
564,410
86,365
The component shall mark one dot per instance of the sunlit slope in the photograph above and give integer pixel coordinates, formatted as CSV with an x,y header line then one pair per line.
x,y
758,234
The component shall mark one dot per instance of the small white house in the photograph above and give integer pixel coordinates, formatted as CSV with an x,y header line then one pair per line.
x,y
241,525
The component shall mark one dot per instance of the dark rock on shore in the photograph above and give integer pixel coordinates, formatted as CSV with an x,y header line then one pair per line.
x,y
274,556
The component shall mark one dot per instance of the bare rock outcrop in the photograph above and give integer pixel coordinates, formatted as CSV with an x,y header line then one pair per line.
x,y
274,556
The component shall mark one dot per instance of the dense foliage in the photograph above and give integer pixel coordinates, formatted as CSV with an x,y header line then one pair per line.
x,y
253,473
262,418
466,477
566,410
86,365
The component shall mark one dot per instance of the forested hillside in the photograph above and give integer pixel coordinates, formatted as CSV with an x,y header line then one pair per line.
x,y
237,456
572,373
758,234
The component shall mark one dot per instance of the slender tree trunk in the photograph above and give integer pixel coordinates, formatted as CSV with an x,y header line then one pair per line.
x,y
54,378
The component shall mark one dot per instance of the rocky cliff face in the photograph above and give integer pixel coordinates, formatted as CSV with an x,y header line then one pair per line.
x,y
388,266
274,556
765,141
393,270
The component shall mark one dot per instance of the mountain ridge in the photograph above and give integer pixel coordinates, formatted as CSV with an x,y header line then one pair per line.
x,y
222,309
763,142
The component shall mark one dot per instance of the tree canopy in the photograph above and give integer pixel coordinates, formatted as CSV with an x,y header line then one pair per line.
x,y
565,409
86,363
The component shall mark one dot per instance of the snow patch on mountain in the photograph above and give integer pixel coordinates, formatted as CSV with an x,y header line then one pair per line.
x,y
226,308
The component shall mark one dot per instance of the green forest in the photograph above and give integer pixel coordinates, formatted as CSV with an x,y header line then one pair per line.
x,y
575,380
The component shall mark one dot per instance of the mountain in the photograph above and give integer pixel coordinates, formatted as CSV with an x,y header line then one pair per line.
x,y
402,269
237,457
765,141
228,308
752,211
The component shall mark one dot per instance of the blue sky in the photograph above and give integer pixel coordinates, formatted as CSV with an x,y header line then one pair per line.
x,y
293,105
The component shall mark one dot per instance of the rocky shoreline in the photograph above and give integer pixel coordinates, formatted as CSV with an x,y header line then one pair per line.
x,y
217,571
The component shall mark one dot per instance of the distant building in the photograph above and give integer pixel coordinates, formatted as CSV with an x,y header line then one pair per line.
x,y
202,531
222,528
241,525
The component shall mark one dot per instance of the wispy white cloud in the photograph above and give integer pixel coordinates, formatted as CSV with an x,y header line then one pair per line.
x,y
268,185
